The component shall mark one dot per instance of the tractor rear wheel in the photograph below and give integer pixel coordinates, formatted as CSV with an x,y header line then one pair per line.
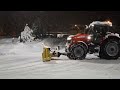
x,y
110,50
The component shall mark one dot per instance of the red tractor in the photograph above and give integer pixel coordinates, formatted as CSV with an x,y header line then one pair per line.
x,y
97,39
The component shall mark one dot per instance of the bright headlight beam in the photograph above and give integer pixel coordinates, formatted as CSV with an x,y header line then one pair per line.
x,y
89,37
69,38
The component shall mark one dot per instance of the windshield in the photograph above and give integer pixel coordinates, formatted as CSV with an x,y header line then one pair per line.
x,y
101,29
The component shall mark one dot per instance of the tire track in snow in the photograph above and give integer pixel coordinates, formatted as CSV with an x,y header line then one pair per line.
x,y
36,67
19,63
43,69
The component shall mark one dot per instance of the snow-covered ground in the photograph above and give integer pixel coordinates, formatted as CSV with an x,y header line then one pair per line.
x,y
23,61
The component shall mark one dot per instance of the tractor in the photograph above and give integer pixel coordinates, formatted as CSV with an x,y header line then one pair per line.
x,y
97,39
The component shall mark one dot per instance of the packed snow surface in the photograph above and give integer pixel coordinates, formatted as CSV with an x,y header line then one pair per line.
x,y
23,61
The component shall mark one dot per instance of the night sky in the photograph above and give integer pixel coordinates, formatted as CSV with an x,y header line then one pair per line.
x,y
15,21
82,17
86,17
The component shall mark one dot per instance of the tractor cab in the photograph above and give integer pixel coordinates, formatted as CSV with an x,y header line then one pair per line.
x,y
98,30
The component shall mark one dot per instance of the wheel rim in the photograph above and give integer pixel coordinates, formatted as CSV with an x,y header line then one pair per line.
x,y
78,52
112,49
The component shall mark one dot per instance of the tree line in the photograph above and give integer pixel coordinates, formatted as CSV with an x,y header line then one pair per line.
x,y
41,23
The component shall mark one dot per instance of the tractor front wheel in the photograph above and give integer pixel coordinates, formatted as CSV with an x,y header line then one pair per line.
x,y
77,52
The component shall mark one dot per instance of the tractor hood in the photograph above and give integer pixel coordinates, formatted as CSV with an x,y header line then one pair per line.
x,y
82,37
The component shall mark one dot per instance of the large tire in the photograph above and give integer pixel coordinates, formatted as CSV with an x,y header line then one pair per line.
x,y
110,49
77,52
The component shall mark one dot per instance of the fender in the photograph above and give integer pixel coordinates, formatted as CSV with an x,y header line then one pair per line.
x,y
83,43
112,35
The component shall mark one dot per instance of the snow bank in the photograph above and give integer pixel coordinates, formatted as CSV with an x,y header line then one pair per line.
x,y
7,47
27,48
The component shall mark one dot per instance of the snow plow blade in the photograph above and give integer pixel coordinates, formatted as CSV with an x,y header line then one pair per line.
x,y
48,54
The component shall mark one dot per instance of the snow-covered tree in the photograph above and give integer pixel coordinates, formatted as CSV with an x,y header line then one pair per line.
x,y
26,35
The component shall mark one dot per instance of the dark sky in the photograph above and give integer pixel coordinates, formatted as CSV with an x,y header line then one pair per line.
x,y
82,17
85,17
15,20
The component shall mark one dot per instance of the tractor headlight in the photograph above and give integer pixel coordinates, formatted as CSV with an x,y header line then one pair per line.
x,y
69,38
89,37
